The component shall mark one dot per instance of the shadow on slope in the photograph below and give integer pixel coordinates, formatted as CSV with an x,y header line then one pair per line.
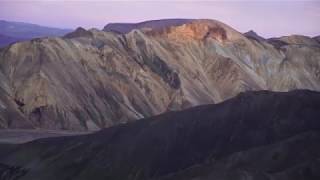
x,y
166,144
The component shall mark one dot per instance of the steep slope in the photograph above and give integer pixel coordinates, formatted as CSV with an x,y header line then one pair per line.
x,y
92,79
295,158
259,135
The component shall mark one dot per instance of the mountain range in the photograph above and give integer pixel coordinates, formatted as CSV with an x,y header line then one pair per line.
x,y
11,32
92,79
171,99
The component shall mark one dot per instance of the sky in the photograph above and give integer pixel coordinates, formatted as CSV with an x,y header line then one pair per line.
x,y
269,18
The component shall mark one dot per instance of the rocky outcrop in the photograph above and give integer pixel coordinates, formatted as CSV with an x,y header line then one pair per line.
x,y
79,32
93,79
256,135
253,35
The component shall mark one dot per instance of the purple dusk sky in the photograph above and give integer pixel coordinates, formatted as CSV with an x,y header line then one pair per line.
x,y
268,18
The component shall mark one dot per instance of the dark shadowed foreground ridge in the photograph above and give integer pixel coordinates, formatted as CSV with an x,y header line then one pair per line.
x,y
256,135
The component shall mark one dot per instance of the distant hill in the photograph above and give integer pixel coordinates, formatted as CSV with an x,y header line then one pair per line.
x,y
16,31
153,24
5,40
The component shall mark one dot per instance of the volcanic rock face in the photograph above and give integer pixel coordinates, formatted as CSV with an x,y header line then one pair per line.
x,y
256,135
253,35
92,79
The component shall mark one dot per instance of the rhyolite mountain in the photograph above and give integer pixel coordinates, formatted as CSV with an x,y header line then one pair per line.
x,y
11,32
90,79
256,135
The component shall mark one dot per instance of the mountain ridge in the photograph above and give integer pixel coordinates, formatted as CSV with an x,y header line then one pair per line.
x,y
228,136
91,82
